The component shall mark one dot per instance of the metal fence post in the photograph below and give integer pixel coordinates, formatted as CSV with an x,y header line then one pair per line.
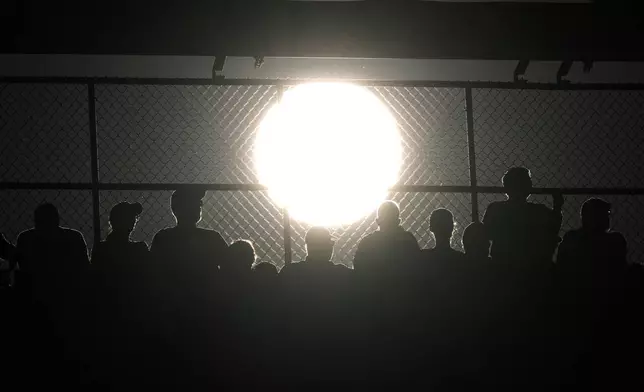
x,y
472,153
91,100
286,219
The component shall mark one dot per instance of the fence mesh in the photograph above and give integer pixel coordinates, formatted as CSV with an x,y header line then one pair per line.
x,y
45,133
432,124
179,134
567,138
204,134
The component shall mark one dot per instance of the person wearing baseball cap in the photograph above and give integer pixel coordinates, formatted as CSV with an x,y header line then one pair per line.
x,y
117,252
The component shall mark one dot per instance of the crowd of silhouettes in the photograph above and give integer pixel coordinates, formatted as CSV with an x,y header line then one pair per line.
x,y
519,305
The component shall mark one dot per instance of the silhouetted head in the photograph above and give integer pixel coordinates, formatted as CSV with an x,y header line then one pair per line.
x,y
124,215
517,183
46,217
595,215
241,255
265,270
441,223
388,215
319,243
186,205
476,242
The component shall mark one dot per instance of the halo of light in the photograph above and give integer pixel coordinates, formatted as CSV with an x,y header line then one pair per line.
x,y
328,152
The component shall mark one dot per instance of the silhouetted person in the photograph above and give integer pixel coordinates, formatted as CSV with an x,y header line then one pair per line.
x,y
7,249
476,243
441,224
7,253
593,248
389,244
186,262
239,260
316,291
117,254
53,265
265,270
187,251
522,233
120,270
319,251
49,253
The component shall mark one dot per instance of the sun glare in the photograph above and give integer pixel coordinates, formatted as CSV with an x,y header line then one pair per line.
x,y
328,152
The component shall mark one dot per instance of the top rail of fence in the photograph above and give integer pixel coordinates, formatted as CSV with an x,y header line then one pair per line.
x,y
259,187
282,82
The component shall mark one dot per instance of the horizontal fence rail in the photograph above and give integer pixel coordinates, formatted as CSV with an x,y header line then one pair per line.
x,y
88,143
259,187
521,85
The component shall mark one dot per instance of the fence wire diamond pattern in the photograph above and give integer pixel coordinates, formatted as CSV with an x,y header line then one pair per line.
x,y
179,134
45,133
432,124
567,138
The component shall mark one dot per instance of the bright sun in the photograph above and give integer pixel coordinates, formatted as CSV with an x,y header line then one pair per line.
x,y
328,152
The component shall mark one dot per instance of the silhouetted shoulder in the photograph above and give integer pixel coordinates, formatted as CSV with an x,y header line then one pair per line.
x,y
98,253
398,235
539,208
369,240
411,238
303,267
339,270
26,235
25,242
619,244
72,234
163,234
495,206
291,269
161,237
572,235
442,255
6,248
212,235
491,216
140,246
75,237
78,245
366,244
342,268
616,238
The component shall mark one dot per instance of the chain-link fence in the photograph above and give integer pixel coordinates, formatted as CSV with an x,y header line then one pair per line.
x,y
147,137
